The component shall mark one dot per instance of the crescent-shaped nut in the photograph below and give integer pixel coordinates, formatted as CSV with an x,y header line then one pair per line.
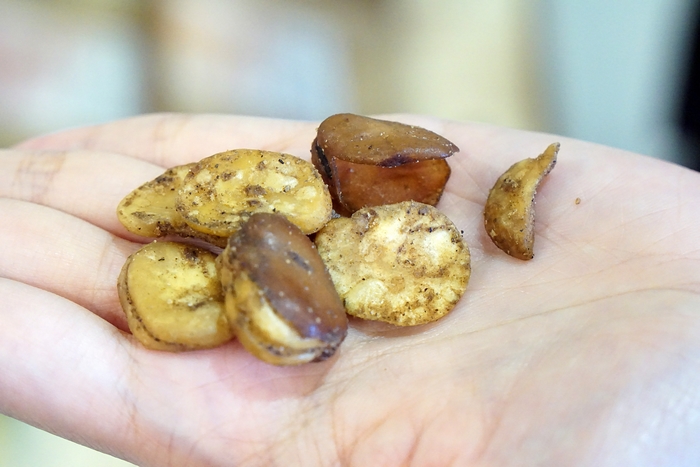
x,y
149,210
280,300
370,162
509,213
404,263
221,191
172,297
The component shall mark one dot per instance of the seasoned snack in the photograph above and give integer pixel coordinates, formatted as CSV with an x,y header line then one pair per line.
x,y
150,210
370,162
404,263
172,297
509,214
401,261
222,191
280,300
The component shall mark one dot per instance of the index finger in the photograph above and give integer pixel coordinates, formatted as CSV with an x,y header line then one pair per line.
x,y
173,139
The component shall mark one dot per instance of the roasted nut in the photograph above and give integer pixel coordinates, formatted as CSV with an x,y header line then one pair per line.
x,y
222,191
509,214
150,211
172,297
280,300
370,162
403,263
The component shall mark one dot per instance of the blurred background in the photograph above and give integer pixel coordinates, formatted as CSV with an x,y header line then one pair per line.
x,y
623,73
616,73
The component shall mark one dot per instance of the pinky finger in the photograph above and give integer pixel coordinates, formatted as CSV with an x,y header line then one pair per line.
x,y
63,367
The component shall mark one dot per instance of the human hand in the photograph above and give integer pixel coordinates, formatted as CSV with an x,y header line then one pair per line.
x,y
587,355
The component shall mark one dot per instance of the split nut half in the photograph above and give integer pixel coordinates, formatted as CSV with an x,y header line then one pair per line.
x,y
509,213
221,191
172,297
404,263
150,211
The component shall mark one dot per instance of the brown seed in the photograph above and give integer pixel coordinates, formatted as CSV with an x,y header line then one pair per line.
x,y
280,300
371,162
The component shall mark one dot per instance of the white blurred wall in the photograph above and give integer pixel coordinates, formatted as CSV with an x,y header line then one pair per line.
x,y
613,70
597,70
67,63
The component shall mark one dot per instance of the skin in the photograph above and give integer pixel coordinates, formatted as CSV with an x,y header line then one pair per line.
x,y
588,355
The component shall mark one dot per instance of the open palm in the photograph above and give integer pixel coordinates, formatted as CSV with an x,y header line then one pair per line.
x,y
587,355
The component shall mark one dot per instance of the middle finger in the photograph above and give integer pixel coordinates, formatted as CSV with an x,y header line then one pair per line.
x,y
84,184
64,255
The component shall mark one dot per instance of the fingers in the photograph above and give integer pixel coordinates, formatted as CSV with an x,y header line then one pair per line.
x,y
167,140
84,184
62,370
173,139
67,371
62,254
